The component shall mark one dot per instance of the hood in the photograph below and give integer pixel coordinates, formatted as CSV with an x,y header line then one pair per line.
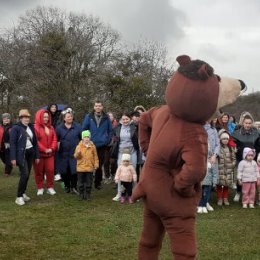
x,y
39,117
192,93
242,116
246,151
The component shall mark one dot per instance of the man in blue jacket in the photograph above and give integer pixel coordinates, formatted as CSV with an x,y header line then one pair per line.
x,y
100,127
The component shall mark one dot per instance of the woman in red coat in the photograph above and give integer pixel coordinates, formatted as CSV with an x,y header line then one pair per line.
x,y
47,143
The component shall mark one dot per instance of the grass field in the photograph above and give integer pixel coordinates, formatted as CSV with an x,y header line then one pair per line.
x,y
62,227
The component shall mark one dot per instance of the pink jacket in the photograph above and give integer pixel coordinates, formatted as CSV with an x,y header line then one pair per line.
x,y
248,171
126,173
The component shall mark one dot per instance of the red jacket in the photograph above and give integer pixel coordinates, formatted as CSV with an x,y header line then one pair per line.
x,y
45,141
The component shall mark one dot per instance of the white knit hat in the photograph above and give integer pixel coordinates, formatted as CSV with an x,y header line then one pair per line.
x,y
126,157
224,136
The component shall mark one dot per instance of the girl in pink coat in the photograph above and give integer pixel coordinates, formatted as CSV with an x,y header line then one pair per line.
x,y
248,175
126,174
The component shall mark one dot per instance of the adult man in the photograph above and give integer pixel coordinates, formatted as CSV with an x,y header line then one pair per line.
x,y
100,127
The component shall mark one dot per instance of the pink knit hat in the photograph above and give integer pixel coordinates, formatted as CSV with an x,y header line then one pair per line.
x,y
248,151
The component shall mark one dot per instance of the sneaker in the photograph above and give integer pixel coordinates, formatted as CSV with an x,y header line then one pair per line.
x,y
199,210
204,210
234,186
51,191
26,198
122,200
57,177
67,189
73,190
116,198
209,208
220,202
244,206
251,206
19,201
226,202
40,192
237,197
130,201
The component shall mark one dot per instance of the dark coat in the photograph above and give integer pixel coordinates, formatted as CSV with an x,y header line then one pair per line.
x,y
243,138
100,135
5,140
116,139
18,138
68,140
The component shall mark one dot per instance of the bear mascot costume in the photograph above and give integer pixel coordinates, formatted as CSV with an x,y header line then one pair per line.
x,y
175,144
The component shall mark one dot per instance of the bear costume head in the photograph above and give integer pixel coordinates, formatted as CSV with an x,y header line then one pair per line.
x,y
176,145
195,93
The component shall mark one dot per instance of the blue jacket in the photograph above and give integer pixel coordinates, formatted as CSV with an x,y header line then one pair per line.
x,y
18,138
100,135
68,140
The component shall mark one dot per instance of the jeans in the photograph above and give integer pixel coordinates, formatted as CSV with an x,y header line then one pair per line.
x,y
206,191
25,170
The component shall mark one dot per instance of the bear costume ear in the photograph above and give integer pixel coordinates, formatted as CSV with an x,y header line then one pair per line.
x,y
183,60
203,72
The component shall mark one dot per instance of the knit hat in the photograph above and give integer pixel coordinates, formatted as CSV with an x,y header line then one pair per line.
x,y
126,157
248,151
85,133
223,134
6,115
24,112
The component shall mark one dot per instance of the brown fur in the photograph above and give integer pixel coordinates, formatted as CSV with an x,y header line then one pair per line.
x,y
175,142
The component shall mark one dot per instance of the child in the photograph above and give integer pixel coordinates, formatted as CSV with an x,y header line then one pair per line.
x,y
87,163
226,166
126,174
247,175
258,182
209,181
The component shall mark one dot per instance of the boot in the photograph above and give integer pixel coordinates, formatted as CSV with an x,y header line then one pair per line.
x,y
81,196
226,202
220,202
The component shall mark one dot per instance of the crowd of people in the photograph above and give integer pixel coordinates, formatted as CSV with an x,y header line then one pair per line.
x,y
99,150
233,161
102,150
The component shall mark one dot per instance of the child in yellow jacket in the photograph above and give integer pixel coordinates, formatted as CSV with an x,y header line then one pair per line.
x,y
87,163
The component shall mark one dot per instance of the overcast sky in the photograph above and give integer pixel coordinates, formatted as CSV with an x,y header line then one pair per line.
x,y
224,33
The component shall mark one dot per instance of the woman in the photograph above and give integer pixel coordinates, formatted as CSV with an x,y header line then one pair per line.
x,y
68,136
55,114
125,140
110,164
55,120
213,153
5,129
245,136
47,143
222,122
23,152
